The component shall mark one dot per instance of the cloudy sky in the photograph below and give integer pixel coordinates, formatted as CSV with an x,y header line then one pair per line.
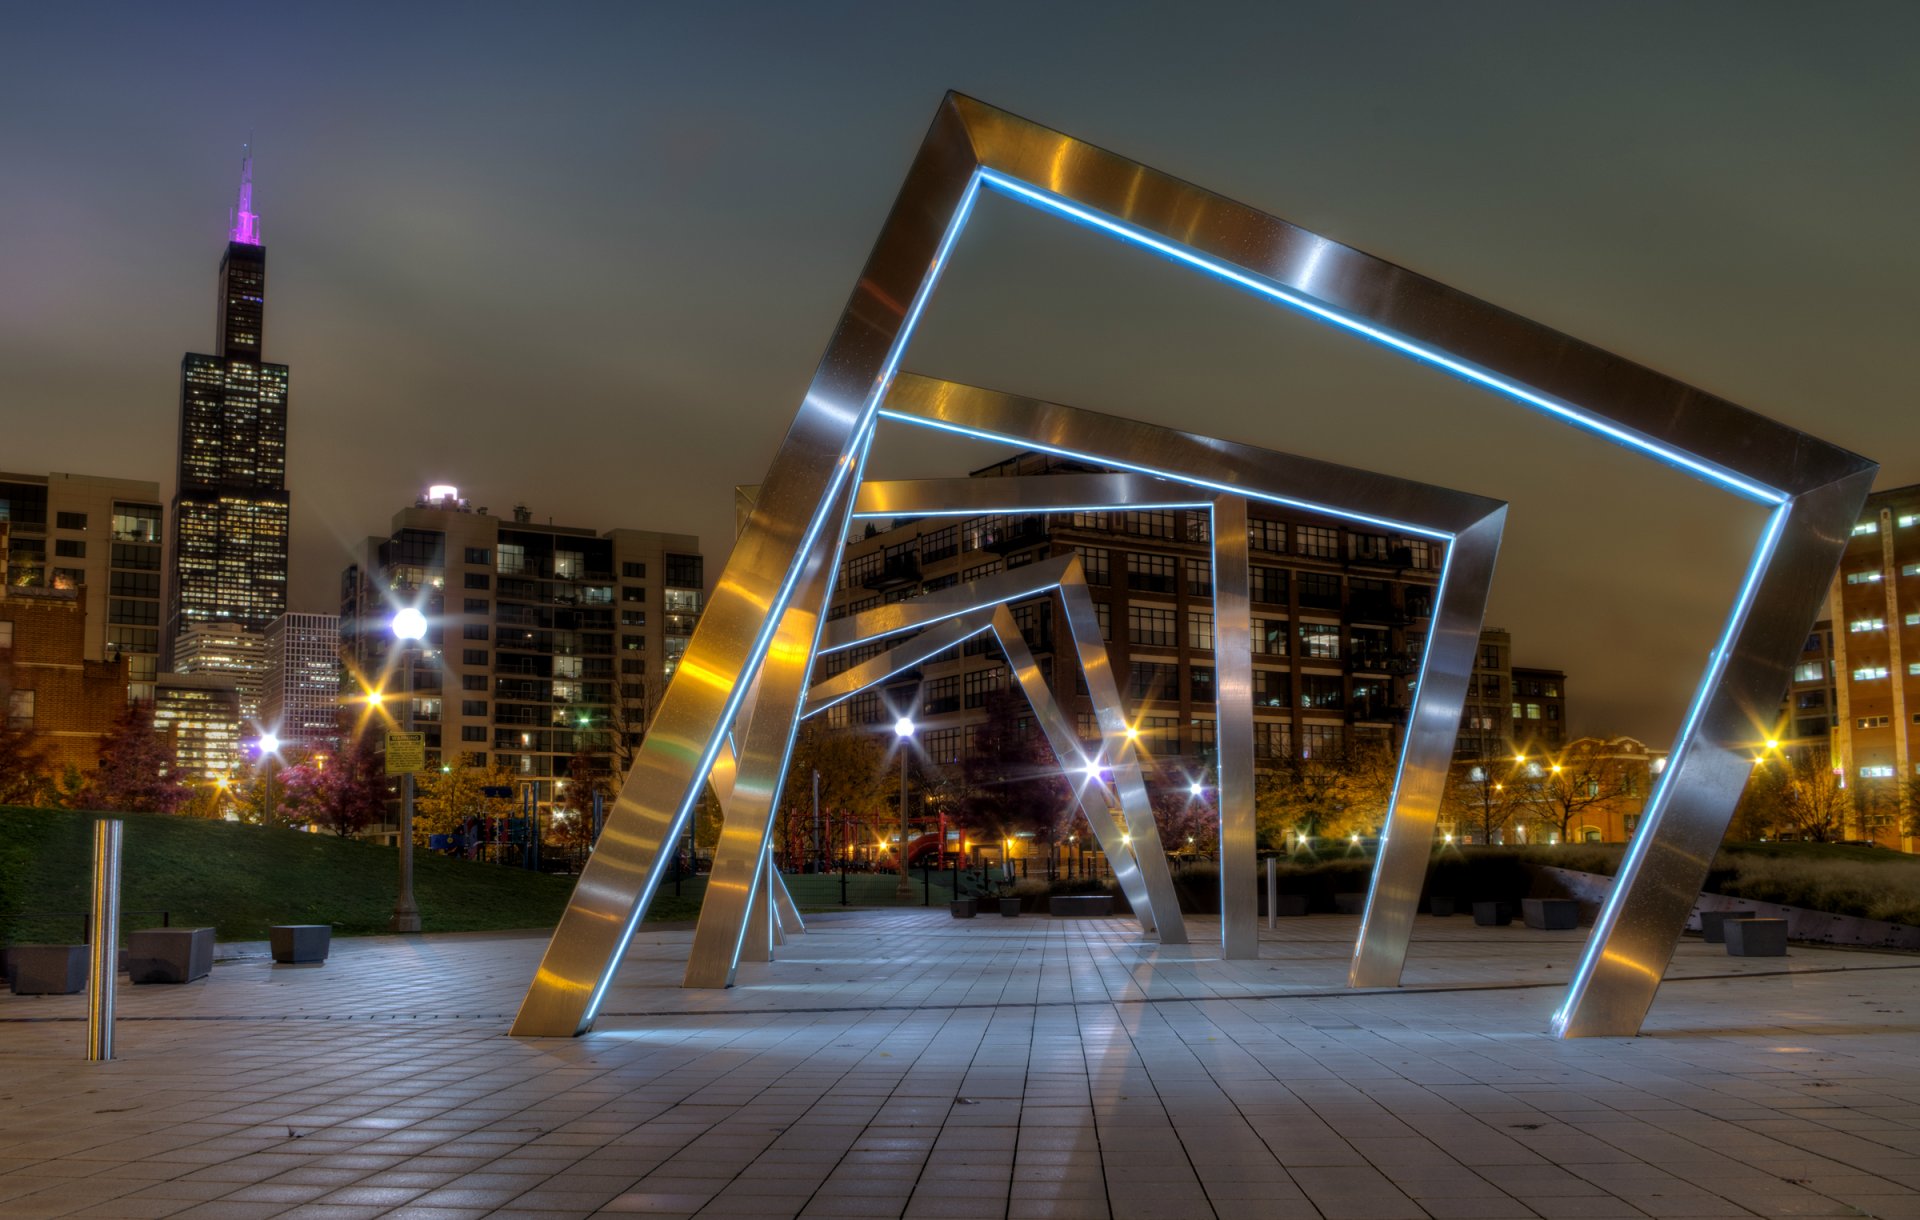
x,y
585,256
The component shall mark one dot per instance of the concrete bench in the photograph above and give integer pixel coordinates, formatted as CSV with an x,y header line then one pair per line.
x,y
1080,906
1712,924
1756,937
1350,904
1438,905
963,908
1010,907
300,943
1493,914
169,955
1550,914
47,969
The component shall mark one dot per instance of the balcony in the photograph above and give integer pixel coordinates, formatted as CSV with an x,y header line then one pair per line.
x,y
1014,534
898,571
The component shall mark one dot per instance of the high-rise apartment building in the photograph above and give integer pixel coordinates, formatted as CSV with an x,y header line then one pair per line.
x,y
230,506
1339,623
199,715
235,653
100,537
1856,687
1510,709
542,639
302,698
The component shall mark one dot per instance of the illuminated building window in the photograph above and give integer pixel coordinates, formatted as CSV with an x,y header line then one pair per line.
x,y
1866,527
1872,722
1869,672
1863,578
1867,624
1876,771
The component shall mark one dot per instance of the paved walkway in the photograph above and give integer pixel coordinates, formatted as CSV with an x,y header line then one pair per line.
x,y
902,1063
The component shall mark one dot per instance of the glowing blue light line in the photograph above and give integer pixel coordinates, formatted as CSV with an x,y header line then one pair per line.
x,y
1024,509
1020,594
806,715
1170,475
1638,846
890,366
1268,288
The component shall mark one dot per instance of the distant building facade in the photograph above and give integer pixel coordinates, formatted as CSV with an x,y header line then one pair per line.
x,y
199,715
230,506
301,704
542,639
1510,709
232,651
101,537
49,684
1340,615
1856,687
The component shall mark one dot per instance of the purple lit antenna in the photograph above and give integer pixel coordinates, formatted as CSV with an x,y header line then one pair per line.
x,y
246,224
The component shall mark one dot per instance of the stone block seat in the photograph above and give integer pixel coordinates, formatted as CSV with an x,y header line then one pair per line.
x,y
47,969
1493,914
1550,914
1080,906
1713,924
300,943
1756,937
963,908
1010,907
169,955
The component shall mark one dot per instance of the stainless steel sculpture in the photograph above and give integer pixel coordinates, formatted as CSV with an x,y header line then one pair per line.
x,y
778,578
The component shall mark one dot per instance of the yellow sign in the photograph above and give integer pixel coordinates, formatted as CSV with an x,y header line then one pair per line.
x,y
406,753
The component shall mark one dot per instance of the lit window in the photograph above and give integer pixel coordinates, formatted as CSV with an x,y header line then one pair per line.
x,y
1869,672
1873,722
1863,578
1910,569
1811,671
1867,624
1866,527
1876,772
1908,520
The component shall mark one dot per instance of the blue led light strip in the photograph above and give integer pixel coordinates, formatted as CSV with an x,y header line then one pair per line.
x,y
1460,368
1657,801
860,437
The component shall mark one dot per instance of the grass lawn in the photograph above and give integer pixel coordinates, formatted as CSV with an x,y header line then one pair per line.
x,y
240,879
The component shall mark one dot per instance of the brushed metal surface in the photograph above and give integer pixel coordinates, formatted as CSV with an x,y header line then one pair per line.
x,y
103,938
973,146
1233,730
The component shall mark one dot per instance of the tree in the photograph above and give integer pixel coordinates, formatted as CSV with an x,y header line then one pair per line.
x,y
1188,824
1803,794
1330,795
1013,780
1588,776
1482,796
857,784
281,789
353,789
137,771
444,799
573,812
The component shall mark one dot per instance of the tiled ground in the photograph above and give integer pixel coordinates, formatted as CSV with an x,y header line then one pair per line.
x,y
901,1063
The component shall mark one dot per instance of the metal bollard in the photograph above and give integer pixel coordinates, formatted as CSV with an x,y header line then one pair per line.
x,y
1273,893
103,939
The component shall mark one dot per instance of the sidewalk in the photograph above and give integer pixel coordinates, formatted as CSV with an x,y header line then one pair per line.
x,y
903,1063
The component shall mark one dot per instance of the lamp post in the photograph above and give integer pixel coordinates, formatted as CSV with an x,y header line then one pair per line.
x,y
903,729
408,627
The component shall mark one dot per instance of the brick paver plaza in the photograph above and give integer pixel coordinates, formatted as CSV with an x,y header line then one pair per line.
x,y
903,1063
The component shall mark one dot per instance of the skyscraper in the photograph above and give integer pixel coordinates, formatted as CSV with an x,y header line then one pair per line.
x,y
302,702
230,507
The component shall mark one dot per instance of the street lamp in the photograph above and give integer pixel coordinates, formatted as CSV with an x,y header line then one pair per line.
x,y
409,626
903,729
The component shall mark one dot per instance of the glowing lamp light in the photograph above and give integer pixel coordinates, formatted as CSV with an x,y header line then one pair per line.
x,y
409,624
903,728
443,491
268,743
1133,734
1447,837
1772,744
1197,790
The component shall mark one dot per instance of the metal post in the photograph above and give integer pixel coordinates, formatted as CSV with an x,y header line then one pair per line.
x,y
599,815
530,849
926,884
819,859
1273,892
103,938
905,888
406,915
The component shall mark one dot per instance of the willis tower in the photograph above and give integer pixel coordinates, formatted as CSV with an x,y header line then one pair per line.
x,y
230,506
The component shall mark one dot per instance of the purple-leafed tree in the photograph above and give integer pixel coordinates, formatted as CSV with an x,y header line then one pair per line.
x,y
137,771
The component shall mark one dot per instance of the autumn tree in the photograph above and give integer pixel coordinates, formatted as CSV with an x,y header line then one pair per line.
x,y
1801,793
1188,824
573,811
857,784
1333,794
1589,776
444,799
137,771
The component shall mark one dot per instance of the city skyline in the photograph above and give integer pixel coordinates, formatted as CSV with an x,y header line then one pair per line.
x,y
567,283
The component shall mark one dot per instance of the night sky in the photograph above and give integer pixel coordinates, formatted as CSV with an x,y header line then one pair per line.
x,y
587,258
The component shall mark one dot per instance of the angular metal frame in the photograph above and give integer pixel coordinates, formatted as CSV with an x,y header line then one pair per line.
x,y
1815,490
